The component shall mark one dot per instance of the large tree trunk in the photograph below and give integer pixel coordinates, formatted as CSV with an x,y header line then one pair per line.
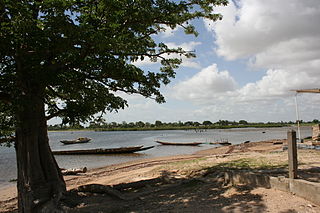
x,y
40,183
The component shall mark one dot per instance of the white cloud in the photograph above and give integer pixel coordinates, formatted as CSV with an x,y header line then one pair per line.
x,y
168,31
188,46
186,62
281,37
147,110
259,25
206,84
216,94
275,84
289,53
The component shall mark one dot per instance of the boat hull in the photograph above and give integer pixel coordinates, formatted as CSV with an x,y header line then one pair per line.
x,y
221,143
75,141
121,150
179,144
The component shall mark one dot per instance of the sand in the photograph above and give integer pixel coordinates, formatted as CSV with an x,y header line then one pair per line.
x,y
186,183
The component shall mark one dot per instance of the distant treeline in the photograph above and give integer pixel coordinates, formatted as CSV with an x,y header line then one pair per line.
x,y
101,125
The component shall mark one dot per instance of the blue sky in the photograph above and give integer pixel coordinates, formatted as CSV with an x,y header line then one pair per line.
x,y
246,66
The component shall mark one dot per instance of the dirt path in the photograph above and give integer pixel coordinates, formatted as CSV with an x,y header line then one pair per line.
x,y
187,183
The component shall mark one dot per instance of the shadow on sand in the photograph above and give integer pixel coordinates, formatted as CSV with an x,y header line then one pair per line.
x,y
205,193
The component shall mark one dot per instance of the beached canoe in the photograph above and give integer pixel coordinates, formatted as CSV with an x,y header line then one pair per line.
x,y
78,140
179,143
121,150
224,143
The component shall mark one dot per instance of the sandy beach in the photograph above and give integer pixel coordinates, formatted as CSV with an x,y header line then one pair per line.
x,y
187,183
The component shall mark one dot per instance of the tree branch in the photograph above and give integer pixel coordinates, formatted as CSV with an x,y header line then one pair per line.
x,y
55,93
9,139
55,114
134,91
159,54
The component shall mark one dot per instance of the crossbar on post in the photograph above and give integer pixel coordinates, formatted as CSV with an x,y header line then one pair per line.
x,y
292,154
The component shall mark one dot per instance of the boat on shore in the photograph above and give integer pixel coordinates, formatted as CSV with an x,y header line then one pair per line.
x,y
78,140
120,150
179,143
223,143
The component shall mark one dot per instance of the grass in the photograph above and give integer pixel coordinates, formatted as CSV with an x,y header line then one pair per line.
x,y
188,162
201,165
249,164
185,167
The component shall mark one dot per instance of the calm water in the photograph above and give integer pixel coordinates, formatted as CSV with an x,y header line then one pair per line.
x,y
146,138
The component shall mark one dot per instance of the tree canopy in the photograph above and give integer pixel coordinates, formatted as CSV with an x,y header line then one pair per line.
x,y
82,50
70,58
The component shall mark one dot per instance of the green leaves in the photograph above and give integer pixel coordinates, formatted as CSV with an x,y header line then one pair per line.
x,y
6,124
81,51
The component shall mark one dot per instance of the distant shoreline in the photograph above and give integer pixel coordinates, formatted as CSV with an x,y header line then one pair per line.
x,y
195,128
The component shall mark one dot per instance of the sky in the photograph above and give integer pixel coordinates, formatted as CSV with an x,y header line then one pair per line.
x,y
246,67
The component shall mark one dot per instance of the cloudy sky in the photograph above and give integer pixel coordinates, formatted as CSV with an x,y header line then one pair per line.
x,y
246,66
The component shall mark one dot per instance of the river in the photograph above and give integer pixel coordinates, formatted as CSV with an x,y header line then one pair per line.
x,y
133,138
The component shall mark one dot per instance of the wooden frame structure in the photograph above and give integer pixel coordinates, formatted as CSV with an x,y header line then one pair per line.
x,y
308,91
316,90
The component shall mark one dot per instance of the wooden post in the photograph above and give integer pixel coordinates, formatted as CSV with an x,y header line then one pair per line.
x,y
292,154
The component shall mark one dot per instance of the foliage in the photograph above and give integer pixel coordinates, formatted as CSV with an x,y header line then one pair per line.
x,y
207,123
243,122
81,52
6,124
159,125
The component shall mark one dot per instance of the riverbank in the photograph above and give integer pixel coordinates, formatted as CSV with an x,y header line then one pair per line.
x,y
198,128
186,183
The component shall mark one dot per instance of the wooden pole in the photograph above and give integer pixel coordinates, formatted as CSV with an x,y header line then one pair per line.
x,y
292,154
308,90
298,117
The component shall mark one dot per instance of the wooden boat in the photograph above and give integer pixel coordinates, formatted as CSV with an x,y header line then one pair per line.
x,y
121,150
78,140
179,143
223,143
